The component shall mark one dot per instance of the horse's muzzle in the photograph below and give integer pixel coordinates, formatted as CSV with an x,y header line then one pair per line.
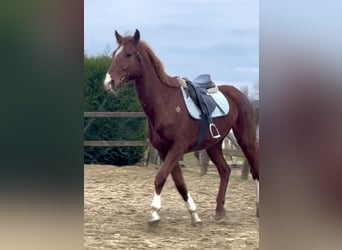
x,y
109,83
109,86
124,80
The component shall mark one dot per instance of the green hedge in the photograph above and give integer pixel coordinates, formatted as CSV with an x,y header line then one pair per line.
x,y
97,99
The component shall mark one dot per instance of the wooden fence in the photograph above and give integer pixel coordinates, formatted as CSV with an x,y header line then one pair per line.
x,y
134,143
115,143
155,159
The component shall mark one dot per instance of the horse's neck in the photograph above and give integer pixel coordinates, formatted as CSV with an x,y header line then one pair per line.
x,y
151,92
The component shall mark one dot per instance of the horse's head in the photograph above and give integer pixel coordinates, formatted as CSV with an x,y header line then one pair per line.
x,y
126,65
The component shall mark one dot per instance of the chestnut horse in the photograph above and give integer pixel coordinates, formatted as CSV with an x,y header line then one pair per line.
x,y
170,128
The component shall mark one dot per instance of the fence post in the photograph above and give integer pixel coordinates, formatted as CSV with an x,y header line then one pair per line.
x,y
153,156
245,170
204,162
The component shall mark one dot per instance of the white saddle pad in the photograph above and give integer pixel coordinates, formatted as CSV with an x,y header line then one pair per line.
x,y
195,113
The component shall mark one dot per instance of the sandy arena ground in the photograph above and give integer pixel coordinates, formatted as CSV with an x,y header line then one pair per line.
x,y
117,204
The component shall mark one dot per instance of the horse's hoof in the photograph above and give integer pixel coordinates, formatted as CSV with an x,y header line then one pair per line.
x,y
197,223
195,219
220,215
153,223
257,210
203,172
154,219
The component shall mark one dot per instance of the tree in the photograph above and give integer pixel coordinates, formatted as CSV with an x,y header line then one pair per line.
x,y
97,99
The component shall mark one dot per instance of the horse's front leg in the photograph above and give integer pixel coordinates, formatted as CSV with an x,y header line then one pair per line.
x,y
178,179
171,160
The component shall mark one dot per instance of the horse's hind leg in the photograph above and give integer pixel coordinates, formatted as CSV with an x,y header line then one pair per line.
x,y
216,156
246,137
178,179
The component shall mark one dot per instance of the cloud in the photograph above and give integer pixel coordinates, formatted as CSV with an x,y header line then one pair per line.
x,y
236,84
247,69
190,37
252,88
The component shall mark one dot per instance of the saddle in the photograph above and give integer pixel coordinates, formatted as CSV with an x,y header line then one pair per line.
x,y
204,81
198,92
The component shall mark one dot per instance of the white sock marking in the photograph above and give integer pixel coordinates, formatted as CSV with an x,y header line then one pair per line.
x,y
257,191
118,51
191,204
155,216
156,202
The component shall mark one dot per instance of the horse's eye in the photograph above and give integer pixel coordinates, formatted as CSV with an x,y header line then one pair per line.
x,y
128,54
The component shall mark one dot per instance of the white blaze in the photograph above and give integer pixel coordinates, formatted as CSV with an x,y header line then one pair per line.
x,y
108,78
118,51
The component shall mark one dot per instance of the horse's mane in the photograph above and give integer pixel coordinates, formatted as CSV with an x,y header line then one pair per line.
x,y
157,64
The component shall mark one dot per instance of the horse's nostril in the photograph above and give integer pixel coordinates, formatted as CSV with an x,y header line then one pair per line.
x,y
122,79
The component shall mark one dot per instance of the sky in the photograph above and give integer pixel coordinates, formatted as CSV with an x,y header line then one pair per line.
x,y
190,37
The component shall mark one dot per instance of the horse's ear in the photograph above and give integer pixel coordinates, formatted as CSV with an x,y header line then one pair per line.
x,y
136,36
118,37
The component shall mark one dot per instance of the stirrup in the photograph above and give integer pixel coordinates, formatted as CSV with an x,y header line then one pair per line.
x,y
216,133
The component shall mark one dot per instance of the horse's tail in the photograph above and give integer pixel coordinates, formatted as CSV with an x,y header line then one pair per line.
x,y
245,131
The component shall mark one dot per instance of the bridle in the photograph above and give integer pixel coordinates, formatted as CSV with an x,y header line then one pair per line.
x,y
138,56
125,77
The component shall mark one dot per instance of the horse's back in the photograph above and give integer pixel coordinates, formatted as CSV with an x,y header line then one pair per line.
x,y
235,96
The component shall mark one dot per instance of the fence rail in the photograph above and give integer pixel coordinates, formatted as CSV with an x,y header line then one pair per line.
x,y
114,114
133,143
236,152
115,143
